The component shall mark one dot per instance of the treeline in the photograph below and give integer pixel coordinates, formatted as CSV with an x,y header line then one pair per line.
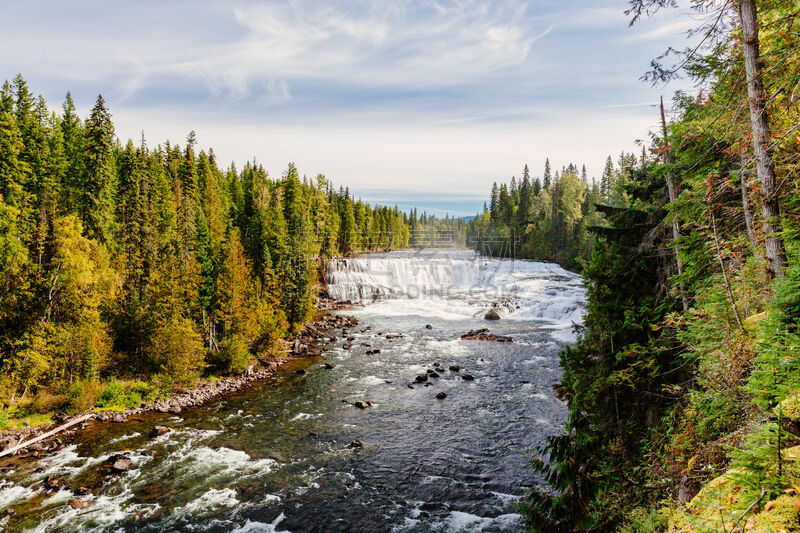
x,y
130,261
550,218
684,386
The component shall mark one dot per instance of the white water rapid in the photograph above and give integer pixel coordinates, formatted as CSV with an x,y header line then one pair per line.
x,y
461,284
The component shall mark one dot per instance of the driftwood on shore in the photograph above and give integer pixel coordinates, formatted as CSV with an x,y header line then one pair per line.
x,y
23,445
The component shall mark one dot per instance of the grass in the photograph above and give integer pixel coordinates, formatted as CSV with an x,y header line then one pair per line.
x,y
12,418
109,396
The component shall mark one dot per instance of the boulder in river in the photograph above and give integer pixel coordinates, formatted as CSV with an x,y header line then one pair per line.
x,y
54,484
491,314
433,375
120,463
428,326
77,503
159,431
328,366
455,368
355,444
421,378
441,396
467,377
347,345
484,335
362,404
300,371
410,386
84,491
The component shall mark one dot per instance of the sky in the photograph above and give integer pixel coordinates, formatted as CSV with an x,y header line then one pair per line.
x,y
420,104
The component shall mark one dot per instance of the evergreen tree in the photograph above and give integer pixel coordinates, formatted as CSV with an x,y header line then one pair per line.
x,y
96,203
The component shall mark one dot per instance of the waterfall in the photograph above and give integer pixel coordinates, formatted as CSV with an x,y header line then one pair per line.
x,y
459,284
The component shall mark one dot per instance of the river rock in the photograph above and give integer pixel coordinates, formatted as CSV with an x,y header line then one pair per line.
x,y
159,431
300,371
328,366
84,491
362,404
77,503
373,352
484,335
441,396
421,378
355,444
428,326
455,368
347,345
467,377
492,315
36,447
433,375
334,338
120,463
410,386
54,484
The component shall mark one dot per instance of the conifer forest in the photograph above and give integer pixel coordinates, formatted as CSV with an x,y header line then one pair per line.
x,y
611,349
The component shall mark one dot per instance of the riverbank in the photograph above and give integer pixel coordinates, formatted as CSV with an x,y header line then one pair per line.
x,y
303,344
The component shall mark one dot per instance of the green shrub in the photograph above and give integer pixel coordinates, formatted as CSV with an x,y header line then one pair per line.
x,y
45,402
141,391
177,349
233,353
112,394
5,416
82,396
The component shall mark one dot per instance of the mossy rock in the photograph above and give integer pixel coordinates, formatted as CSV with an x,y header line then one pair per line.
x,y
783,515
790,407
721,500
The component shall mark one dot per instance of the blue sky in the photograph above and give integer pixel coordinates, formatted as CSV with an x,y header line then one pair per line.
x,y
419,103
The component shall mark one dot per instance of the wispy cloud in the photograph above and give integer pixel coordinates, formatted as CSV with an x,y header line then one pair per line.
x,y
440,95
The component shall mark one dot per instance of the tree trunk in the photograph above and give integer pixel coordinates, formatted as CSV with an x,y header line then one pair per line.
x,y
673,194
759,125
724,272
748,218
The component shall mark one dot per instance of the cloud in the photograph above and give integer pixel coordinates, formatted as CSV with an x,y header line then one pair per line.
x,y
440,96
367,43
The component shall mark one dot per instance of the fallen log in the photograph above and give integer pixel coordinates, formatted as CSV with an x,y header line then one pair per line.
x,y
43,436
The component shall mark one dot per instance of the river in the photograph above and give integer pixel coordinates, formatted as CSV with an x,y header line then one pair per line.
x,y
276,457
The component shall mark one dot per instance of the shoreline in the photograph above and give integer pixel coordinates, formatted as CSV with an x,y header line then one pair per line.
x,y
206,390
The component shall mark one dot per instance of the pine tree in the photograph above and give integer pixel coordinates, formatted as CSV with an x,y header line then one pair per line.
x,y
607,180
494,203
547,174
96,203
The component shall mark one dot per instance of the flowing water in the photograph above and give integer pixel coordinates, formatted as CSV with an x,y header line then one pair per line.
x,y
276,457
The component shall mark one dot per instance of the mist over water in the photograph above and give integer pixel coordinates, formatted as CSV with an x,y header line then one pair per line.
x,y
276,457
